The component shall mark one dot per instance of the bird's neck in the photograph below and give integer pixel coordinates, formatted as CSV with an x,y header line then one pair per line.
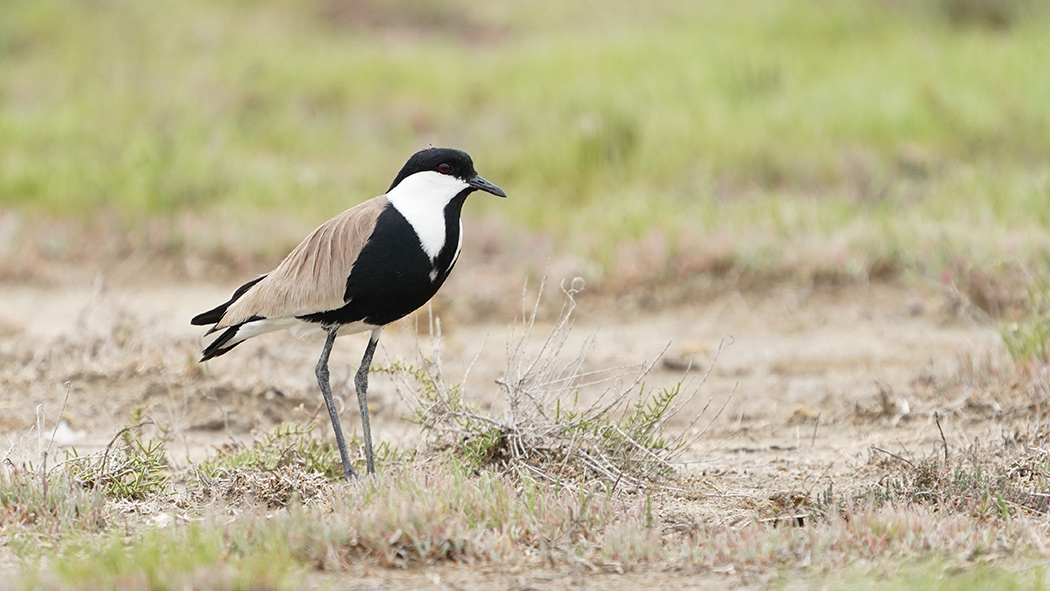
x,y
446,258
425,203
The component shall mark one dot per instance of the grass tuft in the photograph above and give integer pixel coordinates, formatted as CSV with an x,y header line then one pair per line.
x,y
133,470
34,516
556,420
983,484
286,445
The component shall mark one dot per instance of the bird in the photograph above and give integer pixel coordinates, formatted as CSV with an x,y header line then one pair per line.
x,y
371,265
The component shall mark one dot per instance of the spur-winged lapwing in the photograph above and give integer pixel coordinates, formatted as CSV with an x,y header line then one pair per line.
x,y
363,269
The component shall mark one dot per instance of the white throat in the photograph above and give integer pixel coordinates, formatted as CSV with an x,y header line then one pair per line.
x,y
422,198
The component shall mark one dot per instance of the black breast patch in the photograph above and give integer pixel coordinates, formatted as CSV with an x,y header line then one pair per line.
x,y
392,275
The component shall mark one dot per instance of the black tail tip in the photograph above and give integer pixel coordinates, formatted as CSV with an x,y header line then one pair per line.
x,y
212,353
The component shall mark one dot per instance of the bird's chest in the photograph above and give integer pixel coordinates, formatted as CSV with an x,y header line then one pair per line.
x,y
401,267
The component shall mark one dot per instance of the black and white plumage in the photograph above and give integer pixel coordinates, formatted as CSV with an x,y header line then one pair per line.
x,y
371,265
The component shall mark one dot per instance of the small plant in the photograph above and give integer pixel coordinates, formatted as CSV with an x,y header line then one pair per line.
x,y
288,444
543,430
134,470
285,464
486,447
642,430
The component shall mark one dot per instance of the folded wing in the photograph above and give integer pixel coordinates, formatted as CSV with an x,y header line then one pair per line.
x,y
311,279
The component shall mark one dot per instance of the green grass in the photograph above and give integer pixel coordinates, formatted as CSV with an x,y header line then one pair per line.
x,y
933,575
181,556
1028,339
286,444
860,130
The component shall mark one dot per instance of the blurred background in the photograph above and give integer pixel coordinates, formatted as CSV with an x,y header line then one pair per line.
x,y
642,144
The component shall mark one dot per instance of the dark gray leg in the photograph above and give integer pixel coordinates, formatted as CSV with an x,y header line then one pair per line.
x,y
326,391
361,384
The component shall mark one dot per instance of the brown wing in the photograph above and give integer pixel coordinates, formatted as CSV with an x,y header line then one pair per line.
x,y
312,278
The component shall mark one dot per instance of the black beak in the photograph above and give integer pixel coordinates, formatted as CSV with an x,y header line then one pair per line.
x,y
482,185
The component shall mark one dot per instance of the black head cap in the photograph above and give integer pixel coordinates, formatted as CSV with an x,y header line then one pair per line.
x,y
448,161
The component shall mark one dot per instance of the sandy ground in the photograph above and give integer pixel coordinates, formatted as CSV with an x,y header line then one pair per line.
x,y
792,389
810,379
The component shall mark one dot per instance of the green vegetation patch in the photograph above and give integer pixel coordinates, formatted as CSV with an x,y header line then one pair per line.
x,y
778,132
1028,339
931,575
288,444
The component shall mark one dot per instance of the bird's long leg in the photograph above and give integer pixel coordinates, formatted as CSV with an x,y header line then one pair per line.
x,y
326,391
361,384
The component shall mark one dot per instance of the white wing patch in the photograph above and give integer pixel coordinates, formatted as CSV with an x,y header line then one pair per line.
x,y
422,198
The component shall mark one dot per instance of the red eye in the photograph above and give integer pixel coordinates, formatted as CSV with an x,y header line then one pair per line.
x,y
444,168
